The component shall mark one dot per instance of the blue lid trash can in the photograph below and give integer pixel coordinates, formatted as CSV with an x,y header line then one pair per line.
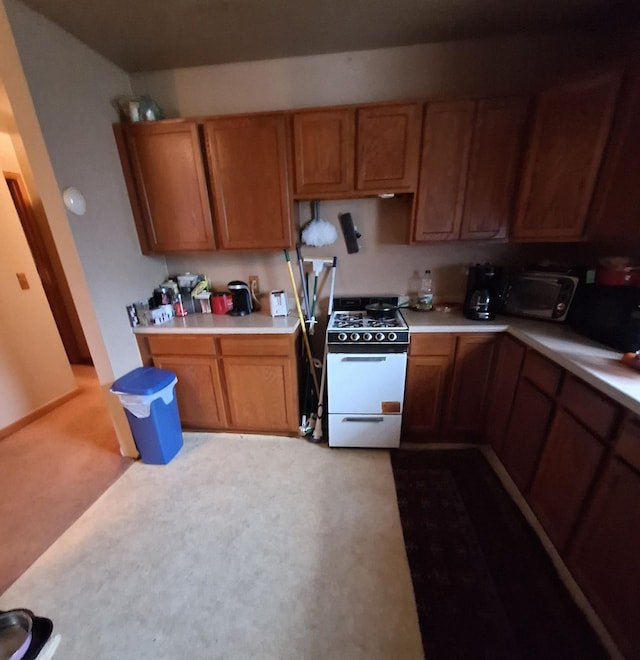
x,y
148,397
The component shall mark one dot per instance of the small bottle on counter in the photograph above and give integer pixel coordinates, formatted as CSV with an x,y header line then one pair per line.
x,y
178,307
425,293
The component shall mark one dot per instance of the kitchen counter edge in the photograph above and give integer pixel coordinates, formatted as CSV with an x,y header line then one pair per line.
x,y
594,363
251,324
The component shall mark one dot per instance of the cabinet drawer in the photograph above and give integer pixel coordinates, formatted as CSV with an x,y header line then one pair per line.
x,y
595,411
256,346
181,344
542,372
628,447
428,343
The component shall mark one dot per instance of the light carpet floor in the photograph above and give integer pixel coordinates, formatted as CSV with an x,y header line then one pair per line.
x,y
241,547
52,471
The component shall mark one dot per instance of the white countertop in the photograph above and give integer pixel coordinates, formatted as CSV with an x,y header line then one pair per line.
x,y
251,324
594,363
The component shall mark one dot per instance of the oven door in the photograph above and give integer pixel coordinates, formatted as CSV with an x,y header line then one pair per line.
x,y
366,384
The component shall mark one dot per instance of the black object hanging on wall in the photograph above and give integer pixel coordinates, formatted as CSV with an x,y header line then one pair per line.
x,y
350,233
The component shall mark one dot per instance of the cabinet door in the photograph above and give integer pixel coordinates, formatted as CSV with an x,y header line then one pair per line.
x,y
569,133
604,556
198,391
564,476
526,433
172,198
443,170
615,215
388,147
249,167
494,163
472,370
261,393
324,147
503,389
424,396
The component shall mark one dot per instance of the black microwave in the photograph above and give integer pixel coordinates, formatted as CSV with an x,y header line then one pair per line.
x,y
609,315
540,295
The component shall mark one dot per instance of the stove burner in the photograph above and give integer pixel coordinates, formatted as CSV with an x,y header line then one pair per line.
x,y
358,320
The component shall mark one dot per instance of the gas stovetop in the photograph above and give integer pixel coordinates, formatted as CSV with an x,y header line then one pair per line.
x,y
359,320
352,329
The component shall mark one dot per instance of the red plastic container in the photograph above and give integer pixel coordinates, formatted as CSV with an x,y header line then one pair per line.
x,y
623,276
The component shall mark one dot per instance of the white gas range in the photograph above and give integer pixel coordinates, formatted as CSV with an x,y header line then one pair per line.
x,y
366,371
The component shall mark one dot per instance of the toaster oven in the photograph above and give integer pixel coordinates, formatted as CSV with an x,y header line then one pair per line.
x,y
540,295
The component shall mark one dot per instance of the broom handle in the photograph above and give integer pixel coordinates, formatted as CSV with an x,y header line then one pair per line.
x,y
317,431
305,293
302,323
333,283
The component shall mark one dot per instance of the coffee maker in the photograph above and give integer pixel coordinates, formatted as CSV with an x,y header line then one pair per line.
x,y
241,298
484,292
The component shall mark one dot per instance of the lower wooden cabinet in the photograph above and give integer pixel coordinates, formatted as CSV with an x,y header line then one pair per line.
x,y
567,468
604,555
510,355
261,393
231,382
446,387
467,402
198,391
573,453
429,364
531,415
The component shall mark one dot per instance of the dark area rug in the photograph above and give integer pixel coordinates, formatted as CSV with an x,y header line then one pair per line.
x,y
483,583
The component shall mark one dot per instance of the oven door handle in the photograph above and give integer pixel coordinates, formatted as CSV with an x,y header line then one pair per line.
x,y
376,420
364,358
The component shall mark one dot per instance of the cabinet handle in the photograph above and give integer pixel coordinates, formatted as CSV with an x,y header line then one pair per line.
x,y
363,419
363,359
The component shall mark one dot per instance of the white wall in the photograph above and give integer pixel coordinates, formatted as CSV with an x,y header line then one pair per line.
x,y
34,369
72,88
475,67
384,264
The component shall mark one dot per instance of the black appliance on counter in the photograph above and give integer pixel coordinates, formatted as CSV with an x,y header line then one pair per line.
x,y
608,314
241,297
485,284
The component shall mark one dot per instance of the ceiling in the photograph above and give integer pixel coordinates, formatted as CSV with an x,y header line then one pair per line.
x,y
148,35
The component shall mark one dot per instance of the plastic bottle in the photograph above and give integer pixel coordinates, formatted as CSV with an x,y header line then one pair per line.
x,y
425,293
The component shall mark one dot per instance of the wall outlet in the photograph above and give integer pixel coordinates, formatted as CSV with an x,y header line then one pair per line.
x,y
254,285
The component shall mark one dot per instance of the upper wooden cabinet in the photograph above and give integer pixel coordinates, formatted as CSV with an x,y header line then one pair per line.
x,y
494,167
388,147
615,213
448,128
357,151
324,155
570,129
165,178
470,162
249,170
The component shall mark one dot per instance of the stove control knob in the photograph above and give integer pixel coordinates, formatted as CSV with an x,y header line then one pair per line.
x,y
367,336
392,336
355,336
379,336
342,336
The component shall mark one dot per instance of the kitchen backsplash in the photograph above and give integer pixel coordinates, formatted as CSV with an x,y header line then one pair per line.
x,y
385,263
